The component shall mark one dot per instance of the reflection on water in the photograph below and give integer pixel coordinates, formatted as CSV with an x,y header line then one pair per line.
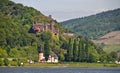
x,y
58,70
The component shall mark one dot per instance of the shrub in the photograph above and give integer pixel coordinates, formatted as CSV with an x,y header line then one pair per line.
x,y
1,62
6,62
12,63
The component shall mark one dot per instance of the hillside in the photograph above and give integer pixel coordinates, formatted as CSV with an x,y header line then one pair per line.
x,y
112,38
95,26
19,42
16,21
110,42
16,37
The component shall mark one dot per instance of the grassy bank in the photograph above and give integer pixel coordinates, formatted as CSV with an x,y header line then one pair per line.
x,y
71,64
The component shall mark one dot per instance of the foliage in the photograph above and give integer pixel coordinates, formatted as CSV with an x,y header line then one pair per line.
x,y
15,37
83,51
75,49
61,57
46,36
109,48
1,62
17,41
3,53
13,63
113,55
69,56
46,50
6,62
95,26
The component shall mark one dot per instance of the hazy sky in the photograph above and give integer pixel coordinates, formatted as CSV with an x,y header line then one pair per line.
x,y
67,9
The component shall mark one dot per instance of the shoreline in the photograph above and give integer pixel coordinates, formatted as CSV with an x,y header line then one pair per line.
x,y
67,65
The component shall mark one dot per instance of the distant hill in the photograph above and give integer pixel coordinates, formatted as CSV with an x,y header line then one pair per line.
x,y
95,26
112,38
110,42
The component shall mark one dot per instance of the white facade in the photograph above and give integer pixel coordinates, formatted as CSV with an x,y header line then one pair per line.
x,y
52,59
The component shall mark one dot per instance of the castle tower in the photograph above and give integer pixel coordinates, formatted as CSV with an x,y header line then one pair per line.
x,y
45,27
40,55
52,26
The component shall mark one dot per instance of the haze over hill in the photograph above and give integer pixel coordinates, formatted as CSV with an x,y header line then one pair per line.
x,y
95,26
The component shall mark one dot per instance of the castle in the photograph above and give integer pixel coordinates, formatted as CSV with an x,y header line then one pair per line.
x,y
40,27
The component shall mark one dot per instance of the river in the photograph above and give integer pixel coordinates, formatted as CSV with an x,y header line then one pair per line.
x,y
58,70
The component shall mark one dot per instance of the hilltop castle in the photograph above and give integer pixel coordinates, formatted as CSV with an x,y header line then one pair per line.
x,y
40,27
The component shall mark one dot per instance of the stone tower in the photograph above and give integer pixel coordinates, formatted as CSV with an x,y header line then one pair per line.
x,y
41,54
52,25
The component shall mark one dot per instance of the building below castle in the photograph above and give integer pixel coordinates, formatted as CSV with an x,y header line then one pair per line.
x,y
53,58
40,27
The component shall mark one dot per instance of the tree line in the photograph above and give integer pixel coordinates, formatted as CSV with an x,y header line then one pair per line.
x,y
81,50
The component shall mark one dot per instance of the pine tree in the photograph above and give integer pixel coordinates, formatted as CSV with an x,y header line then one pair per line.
x,y
46,50
79,50
69,50
75,50
87,51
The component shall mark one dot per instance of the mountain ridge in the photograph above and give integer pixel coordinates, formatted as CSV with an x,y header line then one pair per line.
x,y
95,26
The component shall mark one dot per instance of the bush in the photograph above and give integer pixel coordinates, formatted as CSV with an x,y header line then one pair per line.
x,y
6,62
12,63
1,62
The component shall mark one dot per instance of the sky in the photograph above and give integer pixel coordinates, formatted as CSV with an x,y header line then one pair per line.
x,y
62,10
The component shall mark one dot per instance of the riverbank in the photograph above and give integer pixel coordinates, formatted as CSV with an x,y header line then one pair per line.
x,y
68,64
71,64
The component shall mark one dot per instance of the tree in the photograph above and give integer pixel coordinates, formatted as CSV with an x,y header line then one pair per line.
x,y
46,50
47,35
81,50
92,58
113,55
61,57
87,51
14,53
70,50
3,53
6,62
75,53
103,58
1,62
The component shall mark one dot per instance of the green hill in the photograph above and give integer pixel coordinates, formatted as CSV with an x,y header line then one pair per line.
x,y
95,26
17,41
16,37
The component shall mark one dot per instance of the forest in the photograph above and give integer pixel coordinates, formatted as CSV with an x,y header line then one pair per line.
x,y
17,41
95,26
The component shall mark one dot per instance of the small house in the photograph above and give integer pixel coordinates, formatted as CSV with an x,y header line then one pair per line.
x,y
53,58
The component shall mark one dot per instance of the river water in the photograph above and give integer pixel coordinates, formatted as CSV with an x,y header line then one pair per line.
x,y
58,70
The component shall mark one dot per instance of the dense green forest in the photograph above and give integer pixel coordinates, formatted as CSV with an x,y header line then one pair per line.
x,y
95,26
18,42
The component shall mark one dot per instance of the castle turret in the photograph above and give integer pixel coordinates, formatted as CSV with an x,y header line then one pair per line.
x,y
52,25
41,55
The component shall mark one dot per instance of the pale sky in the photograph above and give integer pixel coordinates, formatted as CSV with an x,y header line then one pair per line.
x,y
62,10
